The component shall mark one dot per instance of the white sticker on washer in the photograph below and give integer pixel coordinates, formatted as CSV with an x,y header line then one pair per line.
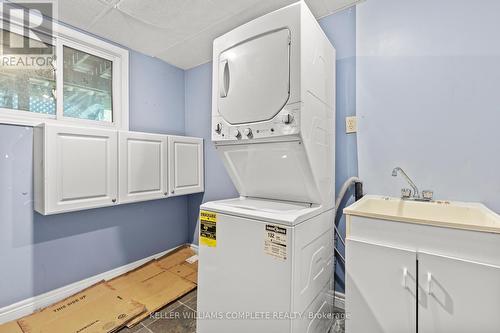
x,y
275,241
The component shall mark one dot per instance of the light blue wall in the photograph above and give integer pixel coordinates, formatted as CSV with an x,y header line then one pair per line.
x,y
428,78
340,29
38,253
218,185
41,253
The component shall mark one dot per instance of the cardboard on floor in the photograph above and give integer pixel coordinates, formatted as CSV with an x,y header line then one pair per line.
x,y
97,309
11,327
154,286
182,262
124,300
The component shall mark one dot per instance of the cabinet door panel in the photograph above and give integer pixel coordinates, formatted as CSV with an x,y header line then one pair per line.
x,y
457,295
380,289
143,166
81,168
186,165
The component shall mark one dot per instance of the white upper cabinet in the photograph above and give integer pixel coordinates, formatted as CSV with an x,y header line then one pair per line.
x,y
254,78
78,168
143,166
75,168
185,165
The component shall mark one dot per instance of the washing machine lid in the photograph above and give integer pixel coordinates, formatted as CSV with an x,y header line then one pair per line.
x,y
280,212
254,78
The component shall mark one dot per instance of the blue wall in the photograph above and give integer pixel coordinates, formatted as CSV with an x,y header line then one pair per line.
x,y
40,253
340,28
218,185
428,75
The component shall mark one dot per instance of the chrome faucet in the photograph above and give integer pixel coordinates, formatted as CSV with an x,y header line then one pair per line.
x,y
406,192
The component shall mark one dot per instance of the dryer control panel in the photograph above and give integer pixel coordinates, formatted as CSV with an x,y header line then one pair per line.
x,y
286,122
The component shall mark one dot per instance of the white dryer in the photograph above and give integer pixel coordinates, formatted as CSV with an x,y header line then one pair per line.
x,y
274,82
266,257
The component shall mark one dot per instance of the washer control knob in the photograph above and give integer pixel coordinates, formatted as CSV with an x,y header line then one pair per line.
x,y
287,118
237,133
218,128
248,132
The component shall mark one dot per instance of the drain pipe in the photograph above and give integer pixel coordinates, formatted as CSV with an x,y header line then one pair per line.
x,y
358,194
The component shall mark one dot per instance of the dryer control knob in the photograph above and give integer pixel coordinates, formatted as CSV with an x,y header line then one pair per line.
x,y
218,128
248,132
237,133
287,118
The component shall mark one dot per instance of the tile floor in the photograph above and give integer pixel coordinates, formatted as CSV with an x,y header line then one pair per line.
x,y
180,317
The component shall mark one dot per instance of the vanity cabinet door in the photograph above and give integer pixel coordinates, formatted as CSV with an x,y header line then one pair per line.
x,y
457,295
380,289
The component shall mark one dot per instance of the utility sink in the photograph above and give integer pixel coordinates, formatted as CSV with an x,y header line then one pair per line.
x,y
451,214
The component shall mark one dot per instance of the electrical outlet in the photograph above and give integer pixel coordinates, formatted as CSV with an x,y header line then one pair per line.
x,y
351,125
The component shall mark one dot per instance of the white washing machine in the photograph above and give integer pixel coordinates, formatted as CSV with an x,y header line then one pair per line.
x,y
266,257
269,270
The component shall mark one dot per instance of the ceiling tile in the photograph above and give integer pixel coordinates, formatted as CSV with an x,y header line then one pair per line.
x,y
318,7
335,5
81,13
121,28
180,32
187,15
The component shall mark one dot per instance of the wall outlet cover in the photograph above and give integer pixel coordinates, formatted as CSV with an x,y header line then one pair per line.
x,y
351,124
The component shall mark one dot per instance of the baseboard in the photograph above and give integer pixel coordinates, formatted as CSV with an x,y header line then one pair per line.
x,y
340,300
30,305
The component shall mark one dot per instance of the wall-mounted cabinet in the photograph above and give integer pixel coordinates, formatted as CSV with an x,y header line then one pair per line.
x,y
78,168
143,166
185,165
74,168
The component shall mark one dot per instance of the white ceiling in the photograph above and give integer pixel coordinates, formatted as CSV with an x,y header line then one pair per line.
x,y
178,31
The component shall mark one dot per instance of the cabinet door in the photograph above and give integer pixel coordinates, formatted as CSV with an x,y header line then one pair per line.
x,y
380,289
185,165
81,168
143,166
457,295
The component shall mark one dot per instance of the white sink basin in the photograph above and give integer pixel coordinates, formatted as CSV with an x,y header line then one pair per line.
x,y
461,215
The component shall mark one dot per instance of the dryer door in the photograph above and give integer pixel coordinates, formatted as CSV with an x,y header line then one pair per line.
x,y
254,78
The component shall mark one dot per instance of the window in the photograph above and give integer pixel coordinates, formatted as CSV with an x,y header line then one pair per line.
x,y
25,87
85,82
87,86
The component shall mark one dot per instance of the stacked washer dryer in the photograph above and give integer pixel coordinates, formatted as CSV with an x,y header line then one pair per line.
x,y
266,257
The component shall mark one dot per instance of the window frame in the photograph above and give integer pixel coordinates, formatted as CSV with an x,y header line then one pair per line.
x,y
66,36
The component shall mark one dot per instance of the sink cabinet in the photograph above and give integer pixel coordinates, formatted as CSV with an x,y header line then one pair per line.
x,y
457,295
406,277
381,285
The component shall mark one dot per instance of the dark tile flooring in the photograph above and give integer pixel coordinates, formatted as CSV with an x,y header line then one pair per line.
x,y
180,317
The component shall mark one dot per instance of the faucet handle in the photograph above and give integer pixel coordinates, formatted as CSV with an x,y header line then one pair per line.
x,y
427,195
405,193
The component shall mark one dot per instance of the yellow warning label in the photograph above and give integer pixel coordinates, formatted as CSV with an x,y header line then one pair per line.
x,y
208,228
